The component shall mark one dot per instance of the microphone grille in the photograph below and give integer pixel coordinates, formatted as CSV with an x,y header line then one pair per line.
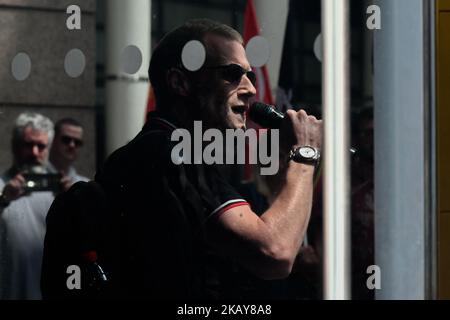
x,y
265,115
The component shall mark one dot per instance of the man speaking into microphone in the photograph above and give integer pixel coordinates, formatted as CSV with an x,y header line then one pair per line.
x,y
186,227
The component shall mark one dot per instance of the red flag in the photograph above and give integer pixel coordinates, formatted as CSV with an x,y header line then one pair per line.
x,y
263,89
251,29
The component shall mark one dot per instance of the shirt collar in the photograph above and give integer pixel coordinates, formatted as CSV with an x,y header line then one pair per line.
x,y
155,119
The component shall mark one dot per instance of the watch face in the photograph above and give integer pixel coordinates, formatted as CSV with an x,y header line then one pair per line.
x,y
307,152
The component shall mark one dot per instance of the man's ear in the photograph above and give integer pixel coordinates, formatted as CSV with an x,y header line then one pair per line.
x,y
178,82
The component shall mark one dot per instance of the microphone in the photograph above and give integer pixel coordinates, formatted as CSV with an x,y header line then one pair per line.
x,y
266,116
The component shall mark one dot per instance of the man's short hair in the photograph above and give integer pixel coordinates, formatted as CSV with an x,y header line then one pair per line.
x,y
36,121
167,53
66,121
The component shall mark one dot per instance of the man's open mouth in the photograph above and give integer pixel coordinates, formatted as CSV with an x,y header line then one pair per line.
x,y
239,109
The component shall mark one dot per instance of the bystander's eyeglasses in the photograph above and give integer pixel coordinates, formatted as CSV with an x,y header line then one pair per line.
x,y
68,140
30,145
234,73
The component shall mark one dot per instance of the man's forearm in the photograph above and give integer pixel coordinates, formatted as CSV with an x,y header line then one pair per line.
x,y
287,218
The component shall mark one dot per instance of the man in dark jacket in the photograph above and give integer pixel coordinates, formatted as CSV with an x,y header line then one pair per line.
x,y
180,225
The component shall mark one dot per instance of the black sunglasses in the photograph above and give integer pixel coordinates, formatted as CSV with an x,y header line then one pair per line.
x,y
67,140
234,73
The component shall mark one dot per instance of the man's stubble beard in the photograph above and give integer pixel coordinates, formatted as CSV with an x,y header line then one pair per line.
x,y
212,111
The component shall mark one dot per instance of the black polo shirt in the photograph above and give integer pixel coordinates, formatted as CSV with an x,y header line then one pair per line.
x,y
161,211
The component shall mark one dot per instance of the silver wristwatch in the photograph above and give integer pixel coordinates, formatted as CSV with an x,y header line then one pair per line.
x,y
305,154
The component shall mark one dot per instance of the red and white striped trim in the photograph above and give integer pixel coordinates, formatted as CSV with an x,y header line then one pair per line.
x,y
227,206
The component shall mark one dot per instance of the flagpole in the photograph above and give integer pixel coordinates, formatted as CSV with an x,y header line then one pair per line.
x,y
336,98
